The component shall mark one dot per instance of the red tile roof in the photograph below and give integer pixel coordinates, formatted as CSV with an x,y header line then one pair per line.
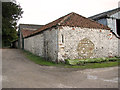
x,y
72,20
26,32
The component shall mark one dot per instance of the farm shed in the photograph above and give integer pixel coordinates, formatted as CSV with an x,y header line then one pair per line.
x,y
111,19
25,29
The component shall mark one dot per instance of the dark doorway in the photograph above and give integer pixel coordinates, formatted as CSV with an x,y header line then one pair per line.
x,y
118,26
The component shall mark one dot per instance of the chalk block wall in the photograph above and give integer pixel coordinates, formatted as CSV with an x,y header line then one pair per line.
x,y
35,44
77,43
58,44
43,44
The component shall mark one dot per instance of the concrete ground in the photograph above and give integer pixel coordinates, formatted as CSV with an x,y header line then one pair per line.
x,y
19,72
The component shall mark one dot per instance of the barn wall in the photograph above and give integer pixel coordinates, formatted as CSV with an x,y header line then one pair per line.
x,y
112,22
35,44
51,44
116,15
103,21
76,43
43,44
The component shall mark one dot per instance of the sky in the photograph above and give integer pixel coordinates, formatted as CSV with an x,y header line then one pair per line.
x,y
42,12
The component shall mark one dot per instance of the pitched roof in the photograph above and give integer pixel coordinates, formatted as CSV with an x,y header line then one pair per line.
x,y
26,32
29,26
105,14
72,20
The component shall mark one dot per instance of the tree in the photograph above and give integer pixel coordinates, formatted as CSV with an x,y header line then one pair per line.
x,y
11,13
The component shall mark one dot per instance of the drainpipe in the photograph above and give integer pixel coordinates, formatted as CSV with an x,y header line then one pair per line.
x,y
22,42
57,47
19,37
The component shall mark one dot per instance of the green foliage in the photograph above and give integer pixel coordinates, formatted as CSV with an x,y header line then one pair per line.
x,y
38,60
91,60
11,13
94,65
42,61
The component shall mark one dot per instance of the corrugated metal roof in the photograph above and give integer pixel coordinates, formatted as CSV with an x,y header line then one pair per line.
x,y
105,14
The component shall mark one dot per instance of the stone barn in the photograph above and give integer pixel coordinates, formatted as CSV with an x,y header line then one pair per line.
x,y
72,37
23,30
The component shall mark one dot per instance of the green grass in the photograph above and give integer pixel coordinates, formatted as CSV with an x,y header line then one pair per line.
x,y
39,60
95,65
42,61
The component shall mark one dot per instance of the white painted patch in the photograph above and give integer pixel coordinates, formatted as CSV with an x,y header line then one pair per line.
x,y
64,86
114,80
98,70
92,77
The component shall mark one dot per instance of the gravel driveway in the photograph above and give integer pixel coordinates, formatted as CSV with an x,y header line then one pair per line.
x,y
19,72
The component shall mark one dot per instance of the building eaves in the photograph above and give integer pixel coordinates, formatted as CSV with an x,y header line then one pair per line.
x,y
26,32
105,14
72,20
29,26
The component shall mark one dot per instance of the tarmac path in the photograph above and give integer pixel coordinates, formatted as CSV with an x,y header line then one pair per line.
x,y
19,72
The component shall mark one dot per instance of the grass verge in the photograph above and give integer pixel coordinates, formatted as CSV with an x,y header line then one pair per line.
x,y
95,65
37,59
42,61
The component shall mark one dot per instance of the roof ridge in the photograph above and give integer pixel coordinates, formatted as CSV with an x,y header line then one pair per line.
x,y
72,20
31,24
65,18
114,11
29,29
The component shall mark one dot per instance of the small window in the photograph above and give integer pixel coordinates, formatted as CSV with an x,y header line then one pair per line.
x,y
62,38
118,26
